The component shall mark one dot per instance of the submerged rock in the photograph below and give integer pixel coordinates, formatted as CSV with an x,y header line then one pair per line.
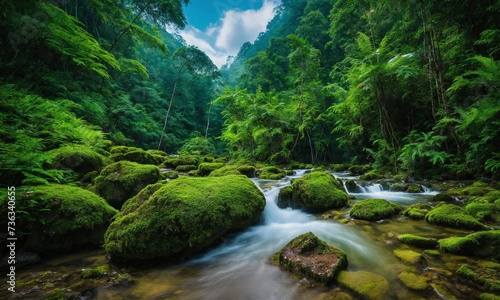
x,y
366,285
480,244
309,256
489,278
408,256
61,218
183,217
414,281
374,209
453,216
318,192
123,180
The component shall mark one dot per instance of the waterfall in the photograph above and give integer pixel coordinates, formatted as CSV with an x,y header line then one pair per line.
x,y
374,188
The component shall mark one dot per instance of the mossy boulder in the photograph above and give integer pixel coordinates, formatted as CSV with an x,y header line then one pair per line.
x,y
183,217
453,216
185,168
318,192
204,169
417,211
418,241
351,186
59,218
483,244
273,173
484,212
372,175
414,281
246,170
489,278
123,180
134,154
414,188
366,285
78,158
308,256
356,170
178,160
443,197
374,209
285,197
399,187
408,256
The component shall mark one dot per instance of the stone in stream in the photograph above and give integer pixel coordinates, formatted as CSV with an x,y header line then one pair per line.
x,y
366,285
374,209
182,217
308,256
315,192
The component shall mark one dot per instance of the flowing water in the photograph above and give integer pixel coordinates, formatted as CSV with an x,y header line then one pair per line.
x,y
241,268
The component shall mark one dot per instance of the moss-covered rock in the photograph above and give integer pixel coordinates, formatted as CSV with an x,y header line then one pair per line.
x,y
453,216
171,175
309,256
418,241
374,209
134,154
481,244
417,211
486,277
178,160
59,218
204,169
443,197
318,192
366,285
414,188
246,170
185,168
78,158
356,170
408,256
399,187
351,186
123,180
414,281
94,273
372,175
183,217
285,197
488,296
273,173
484,212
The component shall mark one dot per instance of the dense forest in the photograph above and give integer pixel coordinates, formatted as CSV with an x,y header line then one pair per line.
x,y
409,86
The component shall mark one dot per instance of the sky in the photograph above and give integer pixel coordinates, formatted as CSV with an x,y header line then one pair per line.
x,y
220,27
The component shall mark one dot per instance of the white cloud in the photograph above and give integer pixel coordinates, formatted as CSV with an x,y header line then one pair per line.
x,y
234,29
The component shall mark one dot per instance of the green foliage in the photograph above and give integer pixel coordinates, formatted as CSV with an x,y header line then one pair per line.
x,y
197,145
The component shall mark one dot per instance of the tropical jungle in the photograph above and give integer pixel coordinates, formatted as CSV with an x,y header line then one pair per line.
x,y
352,151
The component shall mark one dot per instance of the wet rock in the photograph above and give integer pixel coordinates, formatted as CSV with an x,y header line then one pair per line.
x,y
453,216
374,209
123,180
417,241
309,256
182,217
285,197
351,186
23,258
443,197
483,244
366,285
408,256
318,192
414,281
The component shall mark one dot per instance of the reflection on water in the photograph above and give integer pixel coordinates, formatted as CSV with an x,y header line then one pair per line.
x,y
240,268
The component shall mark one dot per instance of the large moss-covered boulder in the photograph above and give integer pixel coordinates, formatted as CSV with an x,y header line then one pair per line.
x,y
453,216
78,158
483,244
417,211
204,169
59,218
318,192
374,209
123,180
366,285
183,217
246,170
312,258
134,154
272,173
177,160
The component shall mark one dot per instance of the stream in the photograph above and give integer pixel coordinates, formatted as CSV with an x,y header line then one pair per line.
x,y
240,268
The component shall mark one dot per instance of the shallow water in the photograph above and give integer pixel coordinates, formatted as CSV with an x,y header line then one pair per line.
x,y
240,268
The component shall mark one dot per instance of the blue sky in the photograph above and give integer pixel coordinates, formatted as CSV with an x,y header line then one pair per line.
x,y
220,27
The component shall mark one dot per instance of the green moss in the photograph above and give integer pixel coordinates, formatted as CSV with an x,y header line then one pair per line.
x,y
483,212
478,188
339,167
309,256
317,192
432,252
204,169
488,278
122,180
56,218
273,173
487,296
414,188
443,197
480,244
185,168
417,241
140,156
183,217
413,281
78,158
417,211
453,216
399,187
285,197
365,284
374,209
372,175
171,175
119,149
94,273
408,256
233,170
174,161
351,185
